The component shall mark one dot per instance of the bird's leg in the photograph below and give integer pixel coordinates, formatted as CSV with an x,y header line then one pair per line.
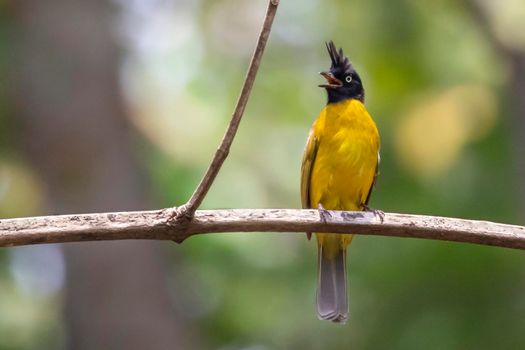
x,y
377,212
323,213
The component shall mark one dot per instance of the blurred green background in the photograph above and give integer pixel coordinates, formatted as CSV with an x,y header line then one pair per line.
x,y
119,105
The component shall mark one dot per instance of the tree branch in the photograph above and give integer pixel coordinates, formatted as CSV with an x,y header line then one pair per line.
x,y
155,225
182,222
222,152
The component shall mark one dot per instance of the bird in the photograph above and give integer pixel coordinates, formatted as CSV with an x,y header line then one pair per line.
x,y
338,171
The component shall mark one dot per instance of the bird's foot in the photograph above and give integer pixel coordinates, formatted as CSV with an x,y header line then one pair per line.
x,y
377,212
323,213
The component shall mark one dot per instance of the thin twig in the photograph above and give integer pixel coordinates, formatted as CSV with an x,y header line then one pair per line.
x,y
224,148
152,225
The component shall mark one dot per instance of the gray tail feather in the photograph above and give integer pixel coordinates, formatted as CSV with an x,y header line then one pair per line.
x,y
332,299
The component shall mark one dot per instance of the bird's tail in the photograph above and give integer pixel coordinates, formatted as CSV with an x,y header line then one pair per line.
x,y
332,301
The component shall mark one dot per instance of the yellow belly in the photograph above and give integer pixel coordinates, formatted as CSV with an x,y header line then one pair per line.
x,y
346,160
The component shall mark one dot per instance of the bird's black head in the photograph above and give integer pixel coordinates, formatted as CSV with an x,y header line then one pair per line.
x,y
343,82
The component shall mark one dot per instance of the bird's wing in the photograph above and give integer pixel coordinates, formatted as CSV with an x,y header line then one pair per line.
x,y
310,153
374,181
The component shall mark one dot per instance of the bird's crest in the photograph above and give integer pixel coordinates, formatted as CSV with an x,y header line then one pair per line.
x,y
339,60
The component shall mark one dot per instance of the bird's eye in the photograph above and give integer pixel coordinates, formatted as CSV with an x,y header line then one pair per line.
x,y
348,78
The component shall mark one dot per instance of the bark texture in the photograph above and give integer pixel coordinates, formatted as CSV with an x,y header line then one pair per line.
x,y
159,225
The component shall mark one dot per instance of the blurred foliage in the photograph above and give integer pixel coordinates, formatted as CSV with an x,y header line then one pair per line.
x,y
435,87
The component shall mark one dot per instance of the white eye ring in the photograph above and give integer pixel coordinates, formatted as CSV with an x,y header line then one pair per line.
x,y
348,78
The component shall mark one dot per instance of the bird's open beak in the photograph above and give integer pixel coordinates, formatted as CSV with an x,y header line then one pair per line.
x,y
333,82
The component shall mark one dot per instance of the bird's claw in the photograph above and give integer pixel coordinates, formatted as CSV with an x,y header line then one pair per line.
x,y
323,213
377,212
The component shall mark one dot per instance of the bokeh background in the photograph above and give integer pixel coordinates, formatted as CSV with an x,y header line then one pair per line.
x,y
119,105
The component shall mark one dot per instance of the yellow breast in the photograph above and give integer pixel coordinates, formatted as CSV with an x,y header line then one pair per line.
x,y
347,157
